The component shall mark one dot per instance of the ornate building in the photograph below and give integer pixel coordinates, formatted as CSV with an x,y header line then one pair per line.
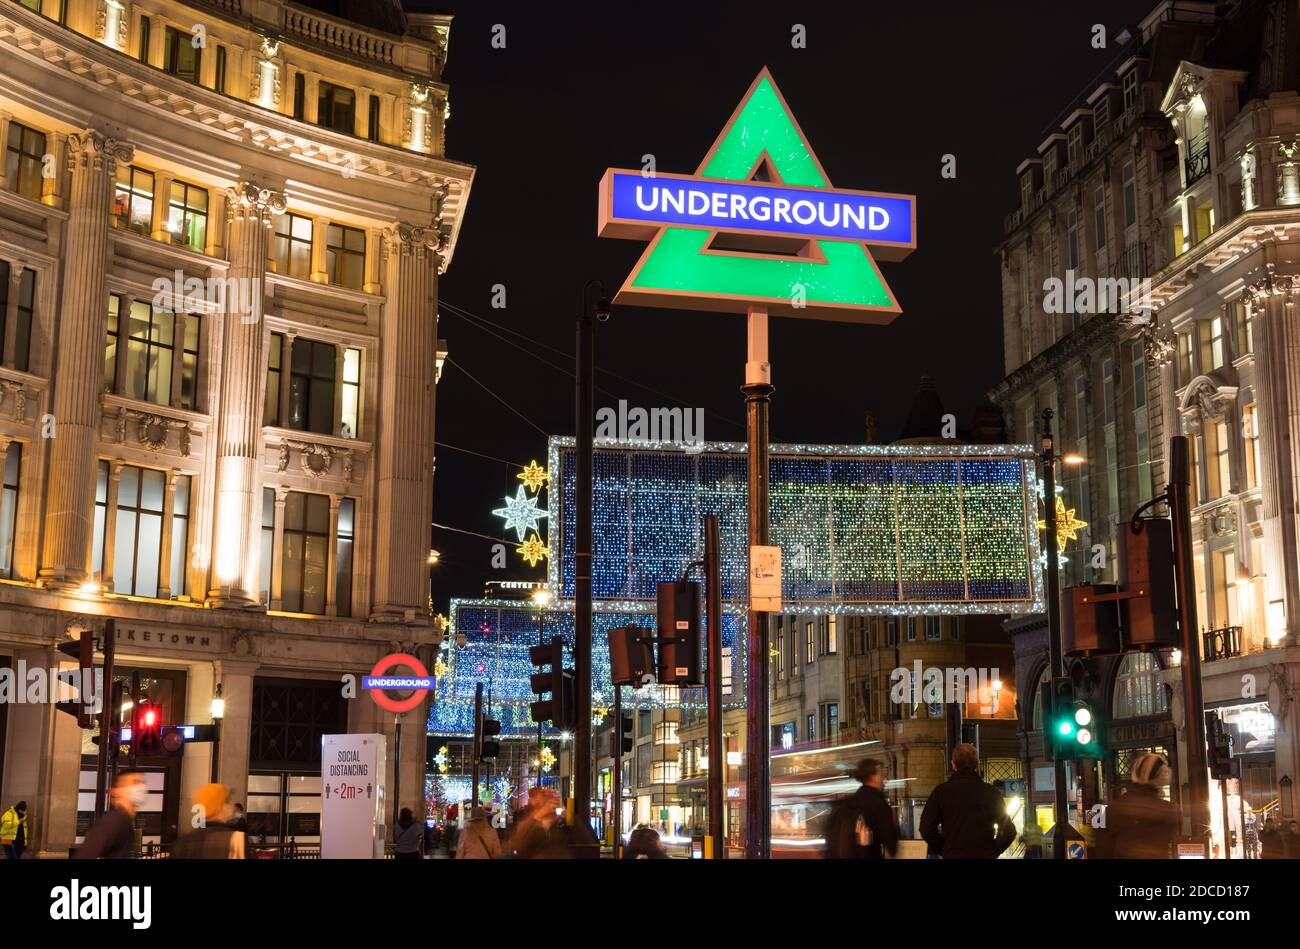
x,y
1168,201
221,229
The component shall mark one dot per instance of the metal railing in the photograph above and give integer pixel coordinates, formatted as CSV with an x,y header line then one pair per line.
x,y
1198,156
1222,643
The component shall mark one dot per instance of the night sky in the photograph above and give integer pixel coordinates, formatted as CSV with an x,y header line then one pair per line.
x,y
883,91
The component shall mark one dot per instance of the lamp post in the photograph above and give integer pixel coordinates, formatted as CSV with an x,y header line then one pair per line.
x,y
541,600
218,713
1055,660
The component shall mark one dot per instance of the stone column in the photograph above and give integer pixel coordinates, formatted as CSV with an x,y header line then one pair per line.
x,y
236,679
408,340
236,542
71,496
276,593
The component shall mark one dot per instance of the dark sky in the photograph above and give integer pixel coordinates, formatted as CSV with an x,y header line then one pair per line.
x,y
883,91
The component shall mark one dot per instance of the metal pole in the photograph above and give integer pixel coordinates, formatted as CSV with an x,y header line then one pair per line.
x,y
1198,782
713,609
618,771
1055,660
474,751
1227,825
107,716
584,386
397,767
758,396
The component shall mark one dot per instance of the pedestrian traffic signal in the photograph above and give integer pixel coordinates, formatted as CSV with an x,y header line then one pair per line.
x,y
146,728
489,746
1218,743
678,610
620,739
86,683
552,677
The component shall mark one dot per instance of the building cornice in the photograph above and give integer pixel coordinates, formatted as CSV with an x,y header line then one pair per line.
x,y
1106,326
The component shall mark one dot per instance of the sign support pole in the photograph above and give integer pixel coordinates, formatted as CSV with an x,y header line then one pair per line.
x,y
717,756
108,714
758,396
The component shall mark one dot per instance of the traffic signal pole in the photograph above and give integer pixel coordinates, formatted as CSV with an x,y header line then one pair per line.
x,y
478,745
617,748
758,397
713,609
1055,660
1180,512
107,716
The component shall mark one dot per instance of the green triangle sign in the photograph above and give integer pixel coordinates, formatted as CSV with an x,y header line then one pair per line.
x,y
783,239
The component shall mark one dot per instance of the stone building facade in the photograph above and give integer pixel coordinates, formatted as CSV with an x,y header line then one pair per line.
x,y
222,227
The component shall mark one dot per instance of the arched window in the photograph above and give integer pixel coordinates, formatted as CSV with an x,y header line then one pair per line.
x,y
1043,679
1138,690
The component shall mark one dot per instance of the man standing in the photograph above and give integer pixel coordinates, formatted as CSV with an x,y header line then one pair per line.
x,y
1142,825
861,826
13,831
965,818
113,836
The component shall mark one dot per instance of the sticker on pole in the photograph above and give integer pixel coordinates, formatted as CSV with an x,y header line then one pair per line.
x,y
765,579
758,224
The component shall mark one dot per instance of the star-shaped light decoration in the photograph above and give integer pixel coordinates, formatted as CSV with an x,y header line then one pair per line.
x,y
439,668
533,550
547,758
1067,525
440,759
443,623
534,476
521,513
599,709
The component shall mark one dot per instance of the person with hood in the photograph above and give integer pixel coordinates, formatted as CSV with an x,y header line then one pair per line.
x,y
479,840
644,844
216,837
408,836
965,817
1142,825
113,836
13,831
862,826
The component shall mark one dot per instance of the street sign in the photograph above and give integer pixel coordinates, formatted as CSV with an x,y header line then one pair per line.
x,y
1076,850
352,796
758,225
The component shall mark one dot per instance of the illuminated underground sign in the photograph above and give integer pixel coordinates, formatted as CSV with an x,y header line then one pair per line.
x,y
637,205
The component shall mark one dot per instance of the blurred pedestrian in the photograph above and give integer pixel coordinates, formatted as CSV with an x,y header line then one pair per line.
x,y
540,835
965,817
644,844
1270,841
113,836
13,831
1142,825
407,836
1291,841
862,826
240,820
216,837
479,840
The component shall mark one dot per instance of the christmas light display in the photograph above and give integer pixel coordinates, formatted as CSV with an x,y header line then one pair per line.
x,y
1067,525
498,635
533,550
521,513
534,476
547,759
863,529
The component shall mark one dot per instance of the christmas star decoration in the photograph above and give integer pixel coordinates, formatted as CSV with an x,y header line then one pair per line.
x,y
440,759
443,623
533,477
547,758
1067,525
521,513
533,550
439,668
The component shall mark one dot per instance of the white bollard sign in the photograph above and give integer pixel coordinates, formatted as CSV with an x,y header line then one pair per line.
x,y
352,797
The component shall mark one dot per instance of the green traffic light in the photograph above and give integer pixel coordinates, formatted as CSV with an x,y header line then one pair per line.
x,y
1066,728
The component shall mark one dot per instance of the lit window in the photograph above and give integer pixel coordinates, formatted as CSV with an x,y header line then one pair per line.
x,y
149,354
351,393
180,55
932,628
133,199
274,379
137,536
292,252
24,160
180,534
809,651
1245,327
9,508
268,544
219,74
1250,428
305,553
311,386
1130,89
1211,337
336,108
832,637
101,520
23,312
187,215
345,256
343,556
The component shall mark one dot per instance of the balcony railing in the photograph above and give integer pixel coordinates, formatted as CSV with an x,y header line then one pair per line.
x,y
1222,643
1198,156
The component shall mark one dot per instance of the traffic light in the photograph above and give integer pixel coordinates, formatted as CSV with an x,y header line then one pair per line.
x,y
1218,743
489,746
631,659
1072,724
88,682
146,728
679,633
1150,620
552,677
620,739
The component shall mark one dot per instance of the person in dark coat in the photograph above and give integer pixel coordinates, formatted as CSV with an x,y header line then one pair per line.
x,y
1142,825
113,836
217,838
862,826
644,844
966,818
1270,841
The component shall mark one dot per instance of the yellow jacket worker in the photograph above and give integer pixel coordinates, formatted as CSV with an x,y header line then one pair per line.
x,y
13,831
